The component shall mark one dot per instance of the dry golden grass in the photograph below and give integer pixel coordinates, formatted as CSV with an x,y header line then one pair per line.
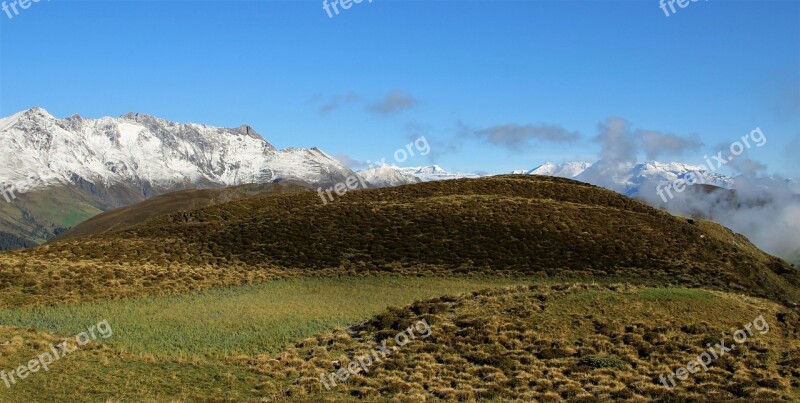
x,y
554,343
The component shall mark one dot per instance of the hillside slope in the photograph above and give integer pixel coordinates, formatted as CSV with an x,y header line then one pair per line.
x,y
39,215
183,200
508,225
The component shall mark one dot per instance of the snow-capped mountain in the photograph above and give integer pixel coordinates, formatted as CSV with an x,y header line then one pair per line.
x,y
435,173
565,170
655,172
630,178
149,154
391,175
386,176
87,166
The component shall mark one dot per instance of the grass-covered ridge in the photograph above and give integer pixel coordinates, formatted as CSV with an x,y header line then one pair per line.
x,y
506,225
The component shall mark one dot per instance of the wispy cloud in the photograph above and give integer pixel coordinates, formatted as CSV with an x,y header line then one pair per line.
x,y
514,136
617,143
349,161
393,103
337,101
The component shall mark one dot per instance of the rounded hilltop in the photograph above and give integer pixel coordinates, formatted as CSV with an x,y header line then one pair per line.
x,y
515,226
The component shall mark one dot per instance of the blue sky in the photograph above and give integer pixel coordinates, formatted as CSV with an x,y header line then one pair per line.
x,y
494,86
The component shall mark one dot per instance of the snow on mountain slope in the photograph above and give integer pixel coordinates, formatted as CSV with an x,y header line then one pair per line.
x,y
386,176
434,173
149,152
565,170
629,179
308,164
632,179
655,172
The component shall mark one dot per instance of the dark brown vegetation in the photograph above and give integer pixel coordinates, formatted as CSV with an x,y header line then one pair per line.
x,y
507,225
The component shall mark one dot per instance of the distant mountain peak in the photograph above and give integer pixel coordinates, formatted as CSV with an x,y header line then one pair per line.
x,y
565,170
246,130
35,113
628,177
150,154
435,173
38,111
386,175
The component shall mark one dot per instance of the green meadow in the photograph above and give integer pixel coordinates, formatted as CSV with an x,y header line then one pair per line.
x,y
243,320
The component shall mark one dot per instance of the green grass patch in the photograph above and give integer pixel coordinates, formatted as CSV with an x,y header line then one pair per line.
x,y
594,296
675,294
74,218
94,374
243,320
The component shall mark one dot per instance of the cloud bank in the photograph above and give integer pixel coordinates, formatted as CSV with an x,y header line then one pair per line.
x,y
766,210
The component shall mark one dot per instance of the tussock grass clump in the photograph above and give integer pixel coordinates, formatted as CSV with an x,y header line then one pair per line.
x,y
603,361
541,343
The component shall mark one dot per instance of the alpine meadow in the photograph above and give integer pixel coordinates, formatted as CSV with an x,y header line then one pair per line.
x,y
389,201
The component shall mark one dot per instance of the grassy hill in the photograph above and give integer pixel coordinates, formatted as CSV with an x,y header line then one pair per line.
x,y
573,293
507,225
34,217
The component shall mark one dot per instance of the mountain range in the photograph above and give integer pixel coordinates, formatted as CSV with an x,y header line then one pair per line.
x,y
57,173
149,155
629,178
